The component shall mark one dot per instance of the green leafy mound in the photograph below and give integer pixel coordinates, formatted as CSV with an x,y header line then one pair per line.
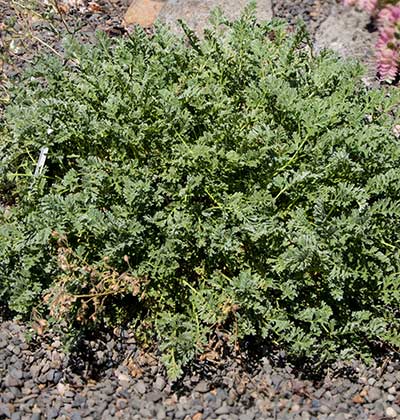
x,y
237,182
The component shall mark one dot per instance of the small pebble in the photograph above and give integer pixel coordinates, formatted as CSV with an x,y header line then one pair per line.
x,y
224,409
374,394
391,413
159,383
202,387
140,387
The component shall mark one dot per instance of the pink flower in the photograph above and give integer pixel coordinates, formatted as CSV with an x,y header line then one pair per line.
x,y
368,5
388,64
389,14
387,35
388,44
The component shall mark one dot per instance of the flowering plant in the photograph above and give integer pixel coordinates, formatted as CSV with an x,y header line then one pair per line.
x,y
387,14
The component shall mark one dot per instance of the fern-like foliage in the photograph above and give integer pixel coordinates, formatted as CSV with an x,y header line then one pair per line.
x,y
237,182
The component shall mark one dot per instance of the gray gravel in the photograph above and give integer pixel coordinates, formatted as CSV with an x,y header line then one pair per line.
x,y
312,12
110,377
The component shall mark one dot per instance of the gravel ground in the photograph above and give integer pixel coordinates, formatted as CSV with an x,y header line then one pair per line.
x,y
313,12
31,27
110,375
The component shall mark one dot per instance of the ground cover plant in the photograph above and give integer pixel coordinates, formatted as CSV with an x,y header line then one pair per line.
x,y
234,183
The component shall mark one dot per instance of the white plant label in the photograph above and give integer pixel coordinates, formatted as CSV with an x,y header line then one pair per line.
x,y
41,161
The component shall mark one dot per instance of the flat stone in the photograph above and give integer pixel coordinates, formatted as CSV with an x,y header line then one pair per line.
x,y
109,389
344,32
159,383
10,381
224,409
57,376
374,394
52,413
16,373
276,380
69,394
16,391
387,384
295,408
391,413
35,370
202,387
5,410
143,12
154,396
396,408
140,387
7,397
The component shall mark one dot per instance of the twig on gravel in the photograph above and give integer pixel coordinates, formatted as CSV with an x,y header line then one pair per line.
x,y
60,13
46,45
382,369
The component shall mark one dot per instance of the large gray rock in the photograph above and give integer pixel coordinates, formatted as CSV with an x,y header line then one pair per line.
x,y
196,13
345,31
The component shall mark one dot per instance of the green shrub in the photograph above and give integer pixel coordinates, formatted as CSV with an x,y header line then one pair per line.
x,y
235,182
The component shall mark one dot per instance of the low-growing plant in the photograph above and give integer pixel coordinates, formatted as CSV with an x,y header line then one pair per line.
x,y
387,16
238,182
